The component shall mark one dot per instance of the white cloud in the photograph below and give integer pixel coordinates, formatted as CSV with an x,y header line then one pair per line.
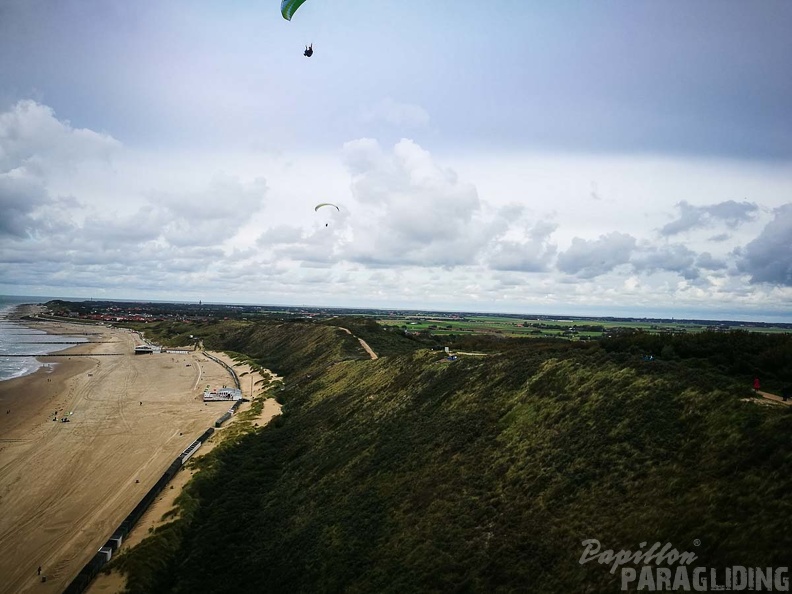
x,y
415,211
417,228
150,240
33,139
281,234
34,145
215,213
534,254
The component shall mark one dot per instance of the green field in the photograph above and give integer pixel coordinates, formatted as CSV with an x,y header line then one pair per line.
x,y
568,328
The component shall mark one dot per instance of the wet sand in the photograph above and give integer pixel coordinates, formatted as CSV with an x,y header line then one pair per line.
x,y
65,487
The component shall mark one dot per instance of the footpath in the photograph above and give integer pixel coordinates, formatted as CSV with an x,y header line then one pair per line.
x,y
774,398
363,343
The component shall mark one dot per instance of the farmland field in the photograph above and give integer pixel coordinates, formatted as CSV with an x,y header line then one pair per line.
x,y
544,326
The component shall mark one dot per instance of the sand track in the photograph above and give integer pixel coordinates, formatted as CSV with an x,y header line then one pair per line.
x,y
362,342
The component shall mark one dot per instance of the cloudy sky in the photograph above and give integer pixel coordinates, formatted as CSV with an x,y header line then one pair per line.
x,y
614,158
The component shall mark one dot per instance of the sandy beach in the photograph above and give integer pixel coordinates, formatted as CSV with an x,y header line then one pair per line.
x,y
114,582
64,487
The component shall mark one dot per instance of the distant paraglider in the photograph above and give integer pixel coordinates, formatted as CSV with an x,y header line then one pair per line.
x,y
318,206
308,51
326,204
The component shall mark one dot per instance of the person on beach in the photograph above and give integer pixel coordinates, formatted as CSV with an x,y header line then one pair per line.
x,y
39,570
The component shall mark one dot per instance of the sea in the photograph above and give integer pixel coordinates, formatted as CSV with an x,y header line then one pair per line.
x,y
17,339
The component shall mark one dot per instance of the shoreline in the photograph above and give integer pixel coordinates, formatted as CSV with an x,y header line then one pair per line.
x,y
17,406
55,369
24,315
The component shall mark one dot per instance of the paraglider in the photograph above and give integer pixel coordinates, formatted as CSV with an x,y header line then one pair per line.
x,y
326,204
318,206
289,7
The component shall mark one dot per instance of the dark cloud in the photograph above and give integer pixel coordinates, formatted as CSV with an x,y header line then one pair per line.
x,y
670,258
20,197
588,259
660,77
729,212
768,258
125,233
707,262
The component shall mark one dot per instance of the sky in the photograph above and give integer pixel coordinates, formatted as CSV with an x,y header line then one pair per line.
x,y
566,157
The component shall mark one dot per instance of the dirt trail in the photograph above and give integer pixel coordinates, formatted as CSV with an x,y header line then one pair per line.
x,y
774,398
363,343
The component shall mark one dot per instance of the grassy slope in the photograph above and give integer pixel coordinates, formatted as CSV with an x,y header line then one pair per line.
x,y
408,474
284,347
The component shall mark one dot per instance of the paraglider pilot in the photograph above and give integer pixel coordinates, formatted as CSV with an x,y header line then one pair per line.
x,y
308,51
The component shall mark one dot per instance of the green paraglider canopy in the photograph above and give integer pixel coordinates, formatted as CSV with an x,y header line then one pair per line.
x,y
289,7
318,206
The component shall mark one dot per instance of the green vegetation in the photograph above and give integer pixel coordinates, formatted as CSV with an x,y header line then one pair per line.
x,y
286,348
444,325
415,474
383,340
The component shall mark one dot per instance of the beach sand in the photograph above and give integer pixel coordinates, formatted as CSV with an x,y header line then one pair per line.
x,y
114,582
65,487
